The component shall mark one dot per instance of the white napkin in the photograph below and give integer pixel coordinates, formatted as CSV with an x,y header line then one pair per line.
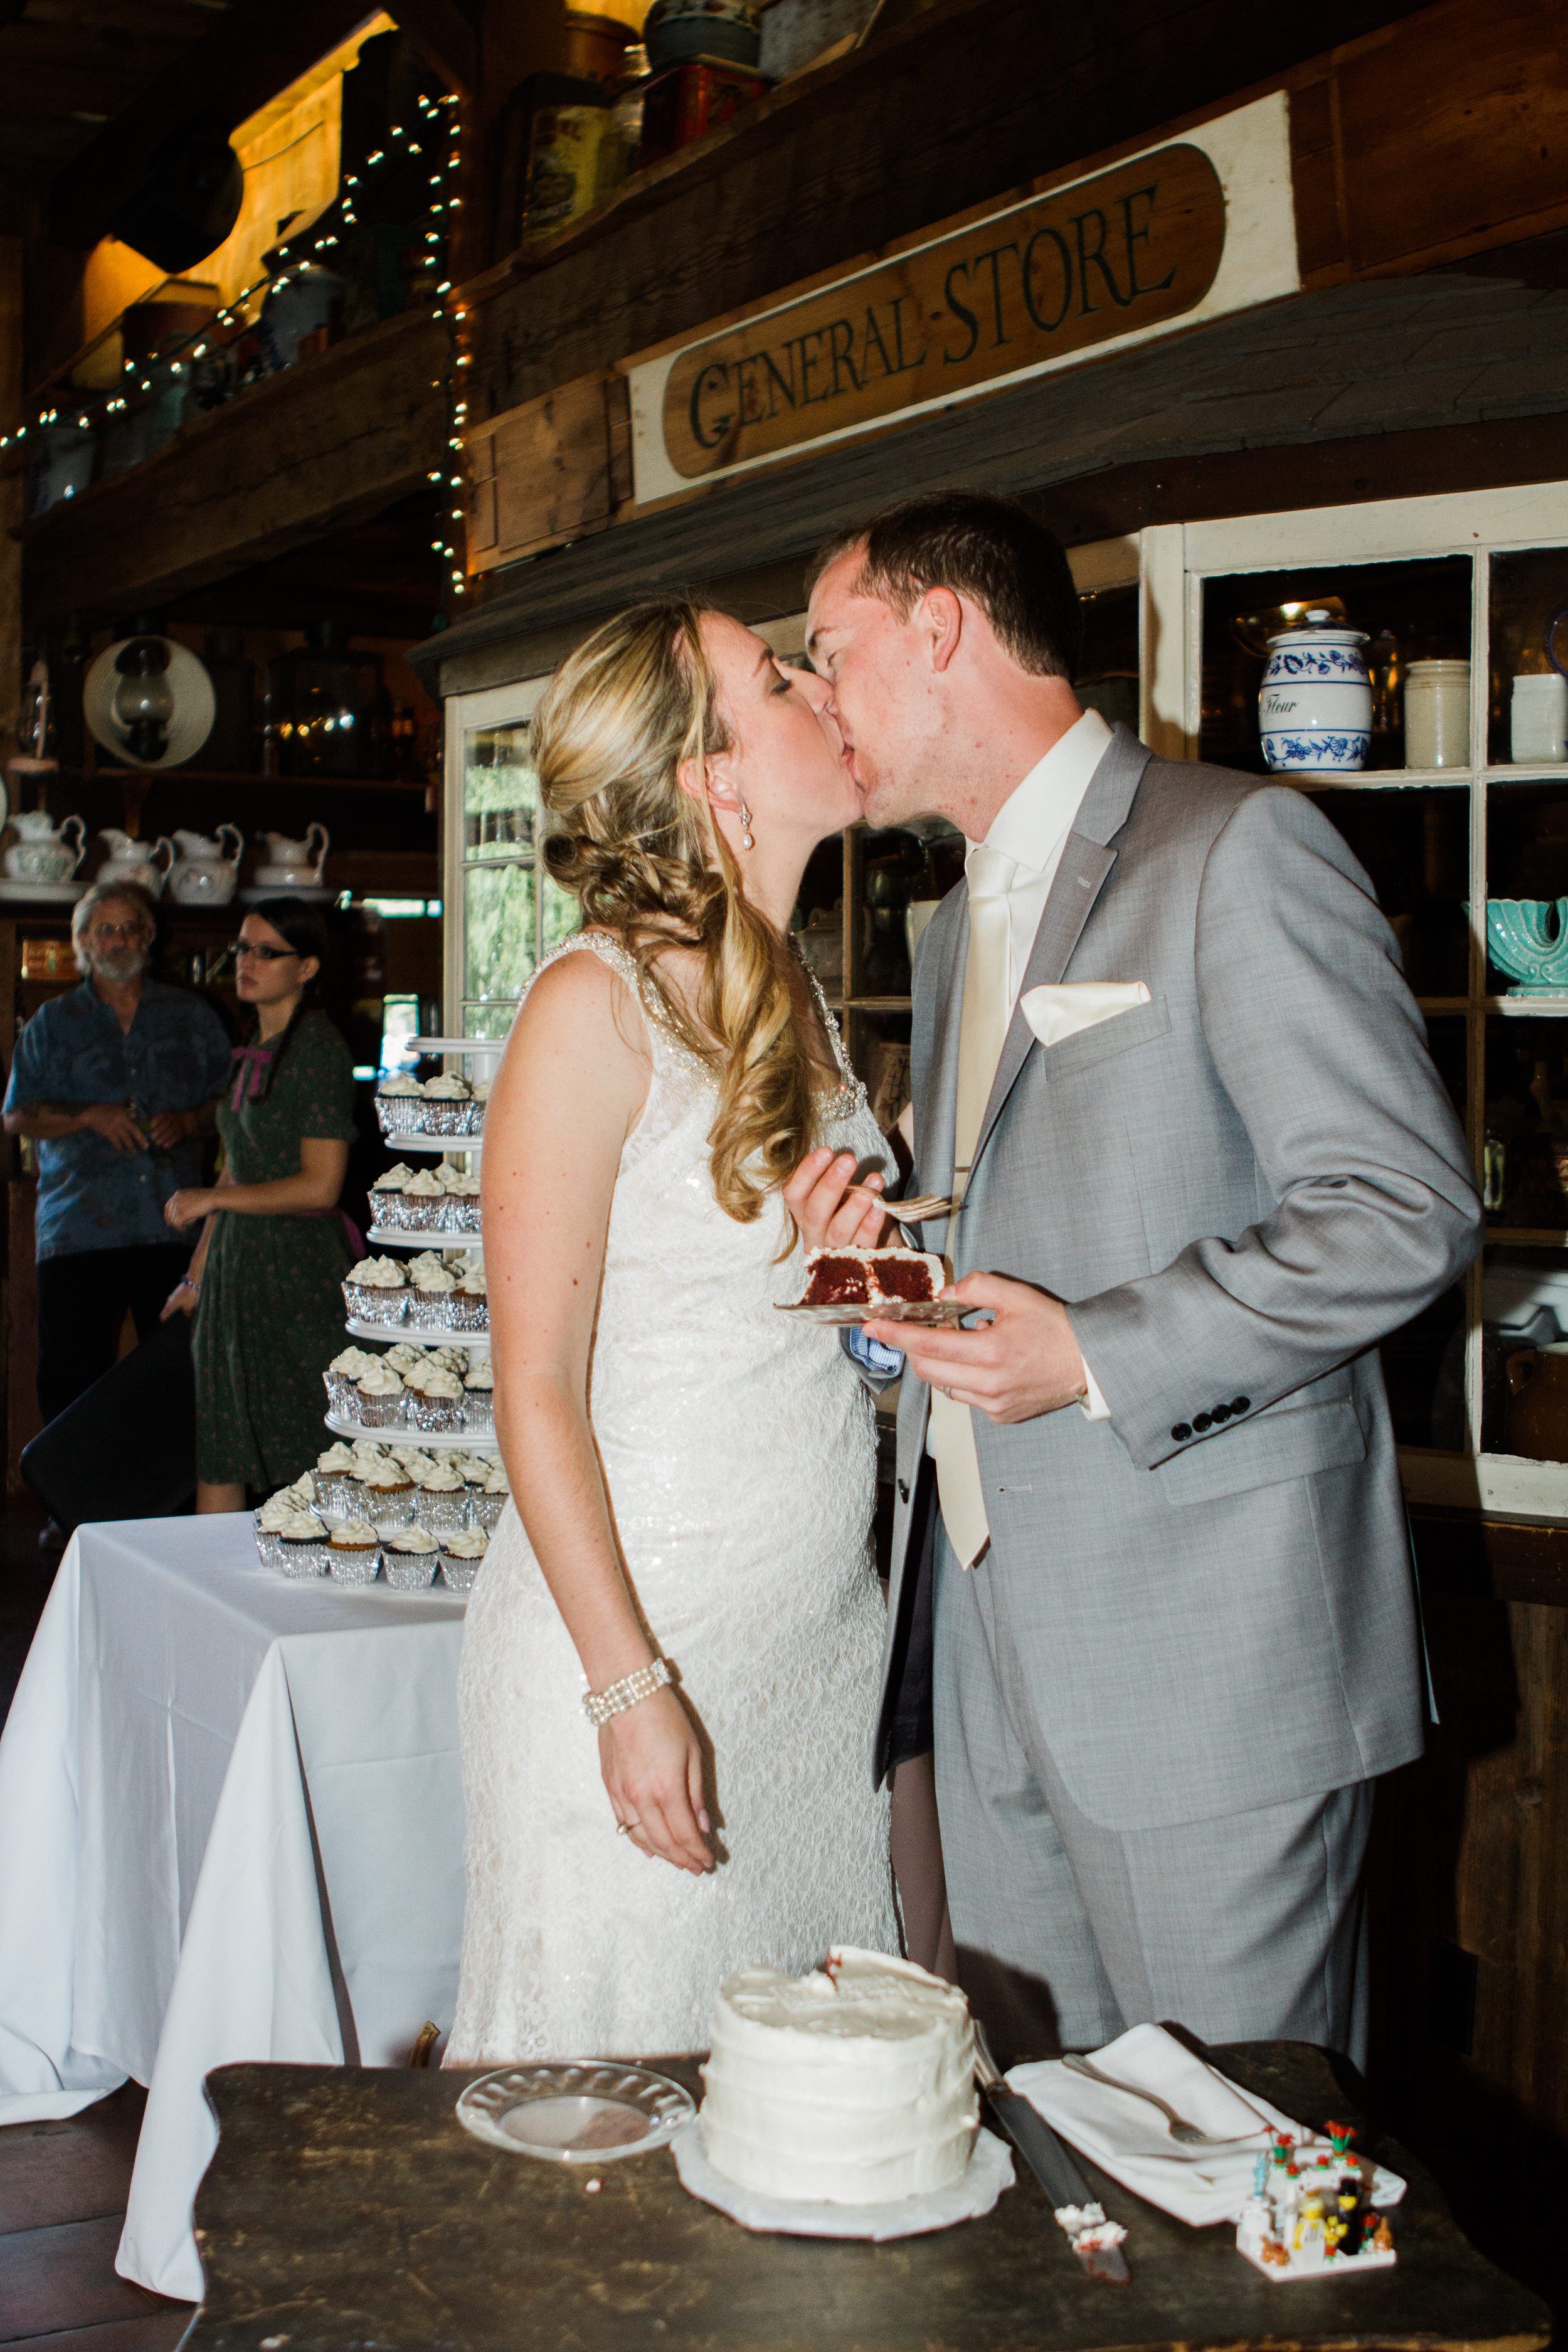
x,y
1130,2140
1056,1013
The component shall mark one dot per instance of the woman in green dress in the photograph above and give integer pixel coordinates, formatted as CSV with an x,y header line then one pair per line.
x,y
264,1281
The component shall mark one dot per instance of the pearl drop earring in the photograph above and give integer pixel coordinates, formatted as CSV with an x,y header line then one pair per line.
x,y
746,841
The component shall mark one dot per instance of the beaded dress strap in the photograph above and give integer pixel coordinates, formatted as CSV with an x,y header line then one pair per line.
x,y
624,964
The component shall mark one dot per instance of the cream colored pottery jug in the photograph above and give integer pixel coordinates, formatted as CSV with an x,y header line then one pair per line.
x,y
206,872
135,861
42,854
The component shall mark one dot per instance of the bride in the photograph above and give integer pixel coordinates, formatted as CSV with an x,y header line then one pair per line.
x,y
672,1653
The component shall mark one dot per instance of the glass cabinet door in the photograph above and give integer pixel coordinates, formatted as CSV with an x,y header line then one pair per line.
x,y
506,913
1450,819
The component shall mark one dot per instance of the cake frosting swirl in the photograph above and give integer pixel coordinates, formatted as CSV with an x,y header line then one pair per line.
x,y
853,2086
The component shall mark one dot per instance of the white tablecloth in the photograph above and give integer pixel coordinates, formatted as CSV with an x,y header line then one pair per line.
x,y
231,1828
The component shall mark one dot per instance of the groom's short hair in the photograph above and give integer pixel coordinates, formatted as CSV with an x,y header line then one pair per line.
x,y
986,549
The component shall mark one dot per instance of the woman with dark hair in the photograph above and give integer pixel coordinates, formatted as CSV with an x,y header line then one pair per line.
x,y
264,1281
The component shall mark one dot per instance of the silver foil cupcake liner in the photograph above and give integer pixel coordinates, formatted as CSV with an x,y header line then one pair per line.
x,y
467,1311
388,1507
487,1509
386,1210
367,1304
427,1309
441,1514
399,1114
410,1571
443,1116
297,1558
460,1573
377,1411
423,1214
439,1415
357,1565
269,1546
462,1214
480,1411
336,1490
342,1395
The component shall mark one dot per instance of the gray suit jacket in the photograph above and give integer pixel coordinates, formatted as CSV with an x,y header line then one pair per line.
x,y
1205,1604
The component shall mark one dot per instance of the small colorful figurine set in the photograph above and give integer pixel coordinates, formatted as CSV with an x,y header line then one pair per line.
x,y
1310,2212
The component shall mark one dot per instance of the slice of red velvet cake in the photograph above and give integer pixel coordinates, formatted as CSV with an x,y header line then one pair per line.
x,y
872,1277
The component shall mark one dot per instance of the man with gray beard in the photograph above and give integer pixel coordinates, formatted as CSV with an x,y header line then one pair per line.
x,y
115,1082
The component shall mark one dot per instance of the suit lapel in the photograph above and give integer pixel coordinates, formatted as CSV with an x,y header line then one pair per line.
x,y
1086,860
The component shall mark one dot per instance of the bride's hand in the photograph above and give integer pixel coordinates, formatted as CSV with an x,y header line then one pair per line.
x,y
652,1762
828,1214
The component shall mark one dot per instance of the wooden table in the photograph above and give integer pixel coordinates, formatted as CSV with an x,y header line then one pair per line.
x,y
346,2207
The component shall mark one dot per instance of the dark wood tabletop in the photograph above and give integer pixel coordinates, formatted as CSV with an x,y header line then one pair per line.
x,y
346,2207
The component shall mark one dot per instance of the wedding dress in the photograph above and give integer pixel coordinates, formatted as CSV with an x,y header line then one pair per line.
x,y
738,1452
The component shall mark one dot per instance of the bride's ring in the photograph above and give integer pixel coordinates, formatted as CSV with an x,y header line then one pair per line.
x,y
624,1829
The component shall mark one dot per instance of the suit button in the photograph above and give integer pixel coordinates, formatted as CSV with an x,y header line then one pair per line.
x,y
1181,1432
1241,1404
1220,1412
903,1490
1201,1421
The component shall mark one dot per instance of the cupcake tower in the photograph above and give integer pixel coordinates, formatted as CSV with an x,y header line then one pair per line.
x,y
434,1381
396,1512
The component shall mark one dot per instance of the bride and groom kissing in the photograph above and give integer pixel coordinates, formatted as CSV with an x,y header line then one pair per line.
x,y
1151,1618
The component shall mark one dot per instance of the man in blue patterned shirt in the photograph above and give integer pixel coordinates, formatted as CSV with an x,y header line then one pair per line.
x,y
116,1082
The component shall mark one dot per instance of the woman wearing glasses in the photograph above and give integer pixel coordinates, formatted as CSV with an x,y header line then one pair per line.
x,y
264,1282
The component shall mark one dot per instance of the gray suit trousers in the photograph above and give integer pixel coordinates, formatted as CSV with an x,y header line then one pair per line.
x,y
1245,1927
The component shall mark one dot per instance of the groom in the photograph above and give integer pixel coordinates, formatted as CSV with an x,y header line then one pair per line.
x,y
1154,1607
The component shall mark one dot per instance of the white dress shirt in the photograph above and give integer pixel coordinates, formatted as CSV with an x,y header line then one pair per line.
x,y
1031,827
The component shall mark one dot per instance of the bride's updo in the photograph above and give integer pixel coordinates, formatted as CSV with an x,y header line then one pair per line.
x,y
636,700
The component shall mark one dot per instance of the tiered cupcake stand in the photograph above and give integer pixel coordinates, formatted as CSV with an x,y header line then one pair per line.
x,y
469,1244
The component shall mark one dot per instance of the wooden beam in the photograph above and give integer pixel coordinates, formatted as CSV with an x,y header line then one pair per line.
x,y
329,442
254,51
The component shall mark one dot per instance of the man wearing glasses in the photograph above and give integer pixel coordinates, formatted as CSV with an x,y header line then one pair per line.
x,y
115,1082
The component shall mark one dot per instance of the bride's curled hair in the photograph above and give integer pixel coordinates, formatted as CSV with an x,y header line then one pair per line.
x,y
635,701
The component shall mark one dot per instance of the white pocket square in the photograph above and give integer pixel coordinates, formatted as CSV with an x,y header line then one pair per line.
x,y
1061,1012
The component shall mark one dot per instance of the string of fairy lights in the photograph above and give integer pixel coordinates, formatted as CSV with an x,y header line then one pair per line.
x,y
433,137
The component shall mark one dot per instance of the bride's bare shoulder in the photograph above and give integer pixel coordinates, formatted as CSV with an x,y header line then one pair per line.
x,y
587,995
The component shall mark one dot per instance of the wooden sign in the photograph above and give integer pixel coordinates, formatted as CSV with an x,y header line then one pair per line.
x,y
1131,249
1201,224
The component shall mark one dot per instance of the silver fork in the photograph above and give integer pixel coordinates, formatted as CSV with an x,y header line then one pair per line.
x,y
1186,2134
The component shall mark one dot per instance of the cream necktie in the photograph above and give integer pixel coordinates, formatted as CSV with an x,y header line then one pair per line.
x,y
986,1012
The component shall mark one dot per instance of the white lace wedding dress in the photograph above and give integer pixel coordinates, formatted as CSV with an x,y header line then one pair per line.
x,y
738,1452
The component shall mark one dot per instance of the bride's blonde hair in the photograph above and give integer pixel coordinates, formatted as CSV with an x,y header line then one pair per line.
x,y
635,701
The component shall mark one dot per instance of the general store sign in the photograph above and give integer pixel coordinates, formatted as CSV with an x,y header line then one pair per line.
x,y
1190,230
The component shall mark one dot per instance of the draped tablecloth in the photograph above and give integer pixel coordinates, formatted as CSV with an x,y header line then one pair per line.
x,y
231,1828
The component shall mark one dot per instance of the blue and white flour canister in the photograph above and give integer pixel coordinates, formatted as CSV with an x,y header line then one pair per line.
x,y
1314,711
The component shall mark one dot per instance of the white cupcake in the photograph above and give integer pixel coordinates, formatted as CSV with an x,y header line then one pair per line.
x,y
460,1557
386,1197
491,1501
399,1102
353,1553
424,1204
301,1544
340,1375
441,1500
414,1461
410,1557
461,1212
445,1108
336,1480
405,1355
430,1299
376,1291
379,1398
388,1492
439,1404
478,1397
470,1307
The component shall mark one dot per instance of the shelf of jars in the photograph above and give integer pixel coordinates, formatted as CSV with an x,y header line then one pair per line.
x,y
1460,608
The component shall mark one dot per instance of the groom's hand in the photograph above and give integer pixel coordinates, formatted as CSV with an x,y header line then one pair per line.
x,y
1025,1363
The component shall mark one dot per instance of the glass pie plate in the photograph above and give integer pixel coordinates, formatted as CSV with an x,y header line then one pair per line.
x,y
589,2111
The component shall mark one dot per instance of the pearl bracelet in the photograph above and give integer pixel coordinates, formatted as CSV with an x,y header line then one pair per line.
x,y
615,1697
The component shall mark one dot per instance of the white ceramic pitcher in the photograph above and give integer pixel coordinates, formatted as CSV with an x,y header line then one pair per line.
x,y
42,854
135,861
206,872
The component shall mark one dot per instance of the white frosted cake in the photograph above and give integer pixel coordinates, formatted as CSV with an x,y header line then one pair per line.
x,y
853,2086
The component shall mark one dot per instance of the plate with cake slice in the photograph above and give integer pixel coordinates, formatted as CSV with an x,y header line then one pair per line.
x,y
875,1285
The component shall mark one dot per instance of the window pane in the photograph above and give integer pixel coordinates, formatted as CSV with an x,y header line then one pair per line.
x,y
500,792
1527,591
498,920
488,1020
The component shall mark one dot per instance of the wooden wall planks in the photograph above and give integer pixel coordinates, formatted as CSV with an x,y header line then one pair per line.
x,y
325,445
